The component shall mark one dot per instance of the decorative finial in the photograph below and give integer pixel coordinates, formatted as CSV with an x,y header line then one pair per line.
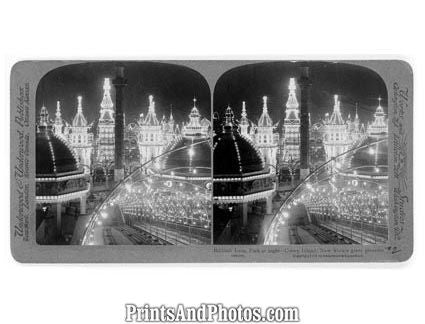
x,y
194,102
265,103
379,100
44,116
229,116
80,105
58,108
292,86
107,84
244,114
106,100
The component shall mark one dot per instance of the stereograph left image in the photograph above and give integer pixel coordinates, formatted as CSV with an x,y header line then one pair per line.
x,y
123,155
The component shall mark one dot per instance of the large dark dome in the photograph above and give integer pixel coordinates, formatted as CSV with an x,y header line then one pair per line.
x,y
188,154
53,156
235,155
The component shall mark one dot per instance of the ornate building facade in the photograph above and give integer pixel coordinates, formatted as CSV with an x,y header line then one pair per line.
x,y
151,135
196,126
80,138
379,127
105,146
336,135
265,138
291,127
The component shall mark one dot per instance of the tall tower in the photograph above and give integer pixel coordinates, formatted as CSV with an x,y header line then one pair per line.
x,y
151,141
336,136
80,138
305,84
264,137
120,83
194,127
291,126
58,125
44,120
244,122
379,127
106,127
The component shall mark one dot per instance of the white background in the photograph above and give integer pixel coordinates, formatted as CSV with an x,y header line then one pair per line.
x,y
325,293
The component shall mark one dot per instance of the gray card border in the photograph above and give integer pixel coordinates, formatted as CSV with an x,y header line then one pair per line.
x,y
25,76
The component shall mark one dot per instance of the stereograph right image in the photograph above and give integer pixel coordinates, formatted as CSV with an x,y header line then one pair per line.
x,y
300,155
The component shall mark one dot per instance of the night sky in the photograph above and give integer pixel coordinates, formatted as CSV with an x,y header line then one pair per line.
x,y
251,82
169,84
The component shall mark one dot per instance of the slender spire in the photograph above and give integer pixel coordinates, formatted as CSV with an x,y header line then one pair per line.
x,y
292,102
265,120
244,123
194,110
356,118
151,104
171,113
265,109
107,101
58,110
58,120
80,105
151,119
79,119
336,118
336,104
379,110
244,114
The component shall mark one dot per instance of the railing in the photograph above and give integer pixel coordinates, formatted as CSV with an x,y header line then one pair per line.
x,y
161,196
330,185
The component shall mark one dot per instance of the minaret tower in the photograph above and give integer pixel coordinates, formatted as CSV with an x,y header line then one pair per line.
x,y
357,119
170,134
44,120
80,138
171,120
336,138
291,126
151,139
244,122
379,127
106,127
264,137
58,125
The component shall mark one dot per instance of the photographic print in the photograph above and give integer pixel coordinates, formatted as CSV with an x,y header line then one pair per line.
x,y
300,155
123,155
211,161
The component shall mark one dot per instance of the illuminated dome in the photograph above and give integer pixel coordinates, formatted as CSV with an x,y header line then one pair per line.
x,y
190,156
372,160
153,206
345,201
53,156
